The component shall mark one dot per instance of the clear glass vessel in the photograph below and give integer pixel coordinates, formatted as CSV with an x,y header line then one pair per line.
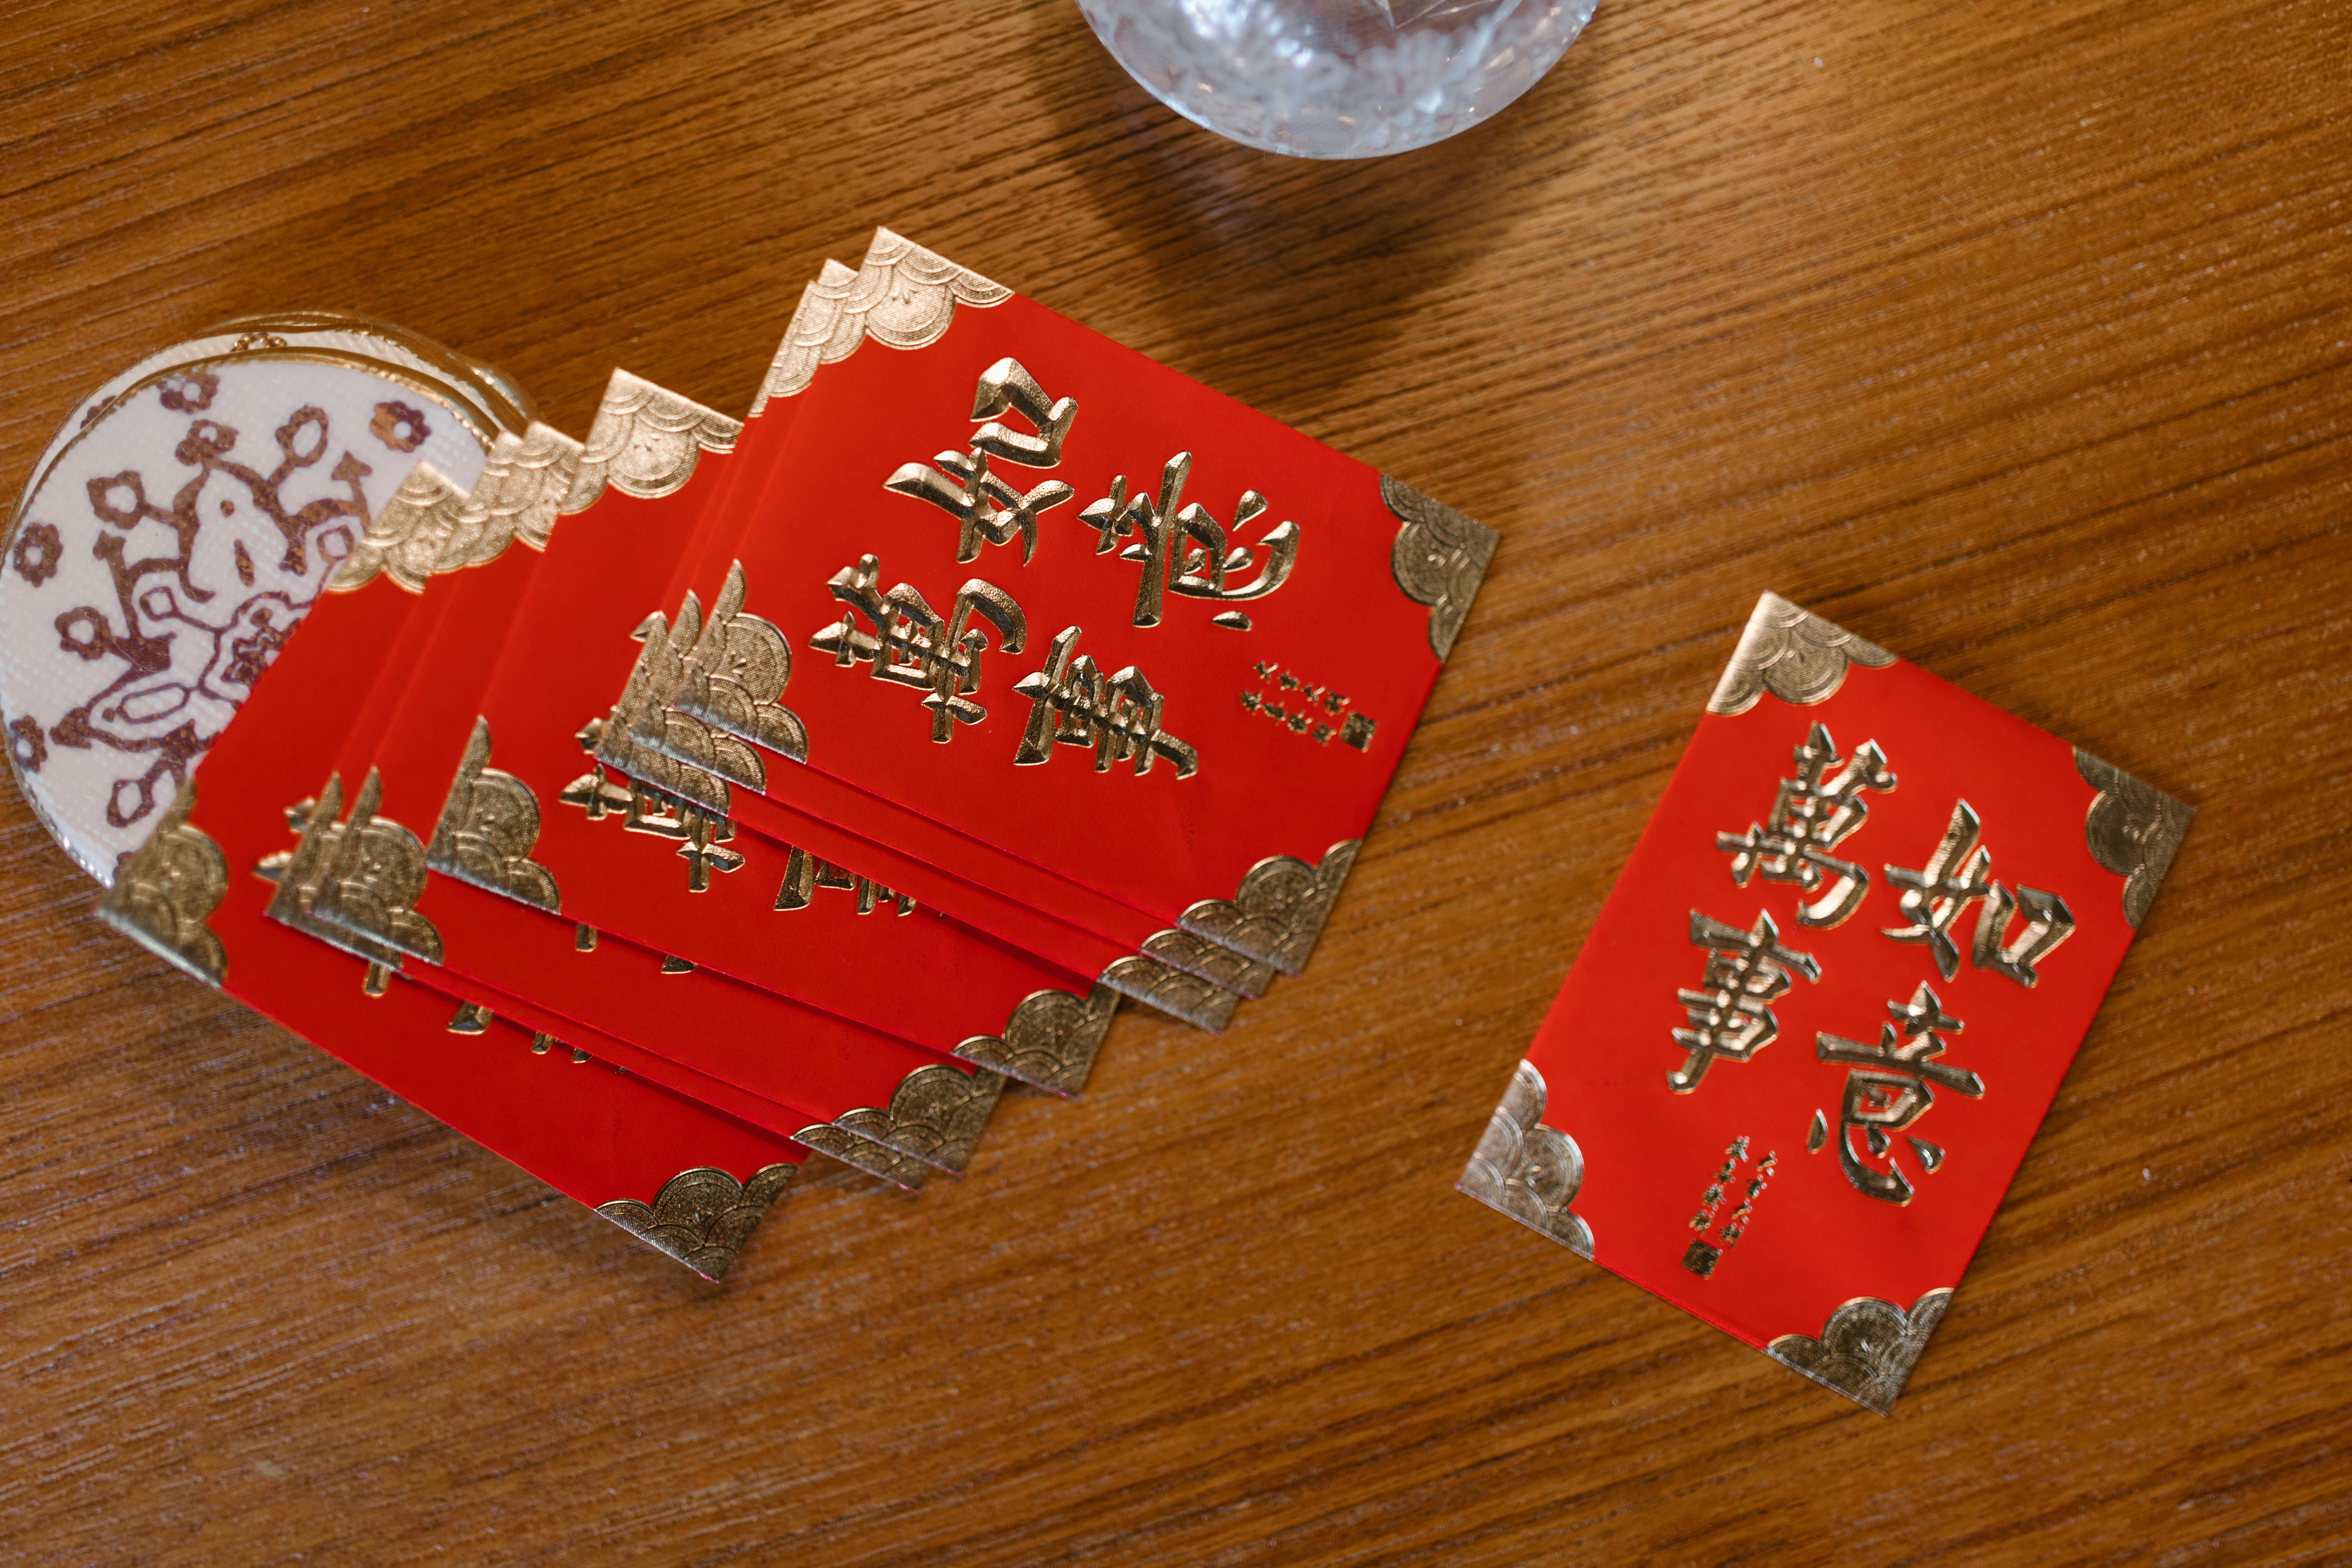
x,y
1337,78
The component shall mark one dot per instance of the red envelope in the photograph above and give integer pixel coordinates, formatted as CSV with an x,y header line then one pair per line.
x,y
676,1174
872,1100
1109,951
473,1007
1040,673
1011,899
1828,1002
492,745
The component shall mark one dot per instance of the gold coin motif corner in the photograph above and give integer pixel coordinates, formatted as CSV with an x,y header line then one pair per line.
x,y
431,526
702,1217
1867,1348
1278,912
1527,1170
1147,978
1050,1040
1439,558
2133,829
645,442
1791,653
487,828
166,890
902,295
861,1153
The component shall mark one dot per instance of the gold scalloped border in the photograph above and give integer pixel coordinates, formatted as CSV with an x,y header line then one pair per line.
x,y
902,295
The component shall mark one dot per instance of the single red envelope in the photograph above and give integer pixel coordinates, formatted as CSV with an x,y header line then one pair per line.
x,y
1797,1061
1117,628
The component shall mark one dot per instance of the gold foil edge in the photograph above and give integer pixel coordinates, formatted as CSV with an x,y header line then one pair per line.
x,y
1866,1349
703,1216
1791,653
167,889
902,295
1439,558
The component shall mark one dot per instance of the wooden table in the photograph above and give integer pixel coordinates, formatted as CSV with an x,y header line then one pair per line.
x,y
2013,336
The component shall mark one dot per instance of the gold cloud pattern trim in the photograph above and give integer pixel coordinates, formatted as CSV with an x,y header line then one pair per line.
x,y
529,481
1791,653
738,667
645,441
430,526
892,1165
2133,829
1172,990
1527,1170
935,1115
1220,966
166,888
903,296
1050,1040
674,754
404,540
1867,1348
353,884
702,1217
488,826
1439,559
1276,914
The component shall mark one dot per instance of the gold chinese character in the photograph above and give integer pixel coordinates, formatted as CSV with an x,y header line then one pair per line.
x,y
1185,550
702,833
1731,1015
2048,923
1703,1255
1073,703
804,874
354,883
1955,876
1887,1090
983,505
1300,718
1810,815
594,795
1935,896
914,645
702,855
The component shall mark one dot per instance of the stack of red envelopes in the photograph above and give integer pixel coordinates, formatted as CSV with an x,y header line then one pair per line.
x,y
701,792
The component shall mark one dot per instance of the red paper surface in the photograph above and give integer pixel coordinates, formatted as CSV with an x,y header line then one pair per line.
x,y
1157,842
1812,1240
597,1135
927,981
806,1065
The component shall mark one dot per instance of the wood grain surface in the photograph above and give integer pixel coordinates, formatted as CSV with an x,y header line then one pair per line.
x,y
2014,335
